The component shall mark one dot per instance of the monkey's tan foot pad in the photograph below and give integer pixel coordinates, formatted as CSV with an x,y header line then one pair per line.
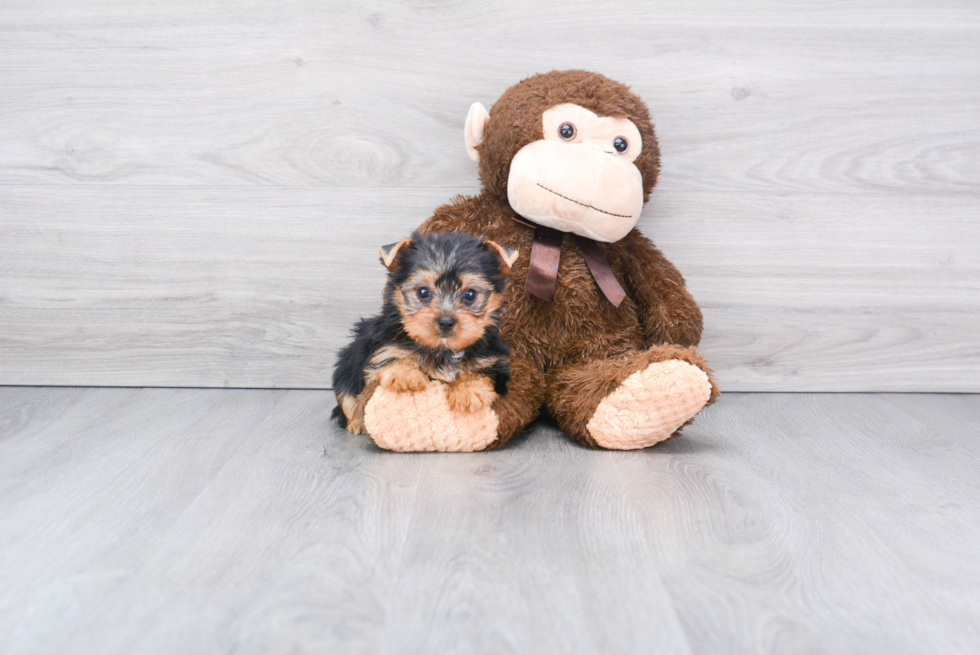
x,y
650,405
423,421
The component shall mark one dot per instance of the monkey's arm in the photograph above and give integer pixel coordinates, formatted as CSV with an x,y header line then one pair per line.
x,y
522,402
461,214
667,310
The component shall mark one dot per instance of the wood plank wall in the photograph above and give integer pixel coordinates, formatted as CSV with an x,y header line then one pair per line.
x,y
192,194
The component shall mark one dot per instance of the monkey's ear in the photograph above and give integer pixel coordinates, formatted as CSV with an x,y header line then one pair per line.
x,y
507,256
389,253
476,123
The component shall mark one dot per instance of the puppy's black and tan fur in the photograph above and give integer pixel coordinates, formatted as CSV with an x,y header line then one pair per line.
x,y
439,322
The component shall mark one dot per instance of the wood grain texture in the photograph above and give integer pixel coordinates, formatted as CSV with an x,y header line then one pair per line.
x,y
215,521
256,288
928,411
192,196
774,98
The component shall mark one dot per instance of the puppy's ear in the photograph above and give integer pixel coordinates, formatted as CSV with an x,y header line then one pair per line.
x,y
389,253
507,256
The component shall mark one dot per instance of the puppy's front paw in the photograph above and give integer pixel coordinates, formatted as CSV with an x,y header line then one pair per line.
x,y
470,395
403,379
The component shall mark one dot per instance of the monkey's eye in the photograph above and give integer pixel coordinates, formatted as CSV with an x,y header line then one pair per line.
x,y
423,293
469,296
566,131
620,144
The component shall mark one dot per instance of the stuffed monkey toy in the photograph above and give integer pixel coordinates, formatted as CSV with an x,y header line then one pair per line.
x,y
601,328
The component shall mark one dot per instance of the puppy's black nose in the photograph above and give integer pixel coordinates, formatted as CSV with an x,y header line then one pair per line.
x,y
446,323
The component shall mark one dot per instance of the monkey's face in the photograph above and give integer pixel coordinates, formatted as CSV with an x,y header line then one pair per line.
x,y
580,177
572,150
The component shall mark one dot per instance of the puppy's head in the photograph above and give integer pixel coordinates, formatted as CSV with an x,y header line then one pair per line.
x,y
447,286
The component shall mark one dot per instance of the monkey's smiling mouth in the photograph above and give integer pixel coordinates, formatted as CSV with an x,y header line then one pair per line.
x,y
601,211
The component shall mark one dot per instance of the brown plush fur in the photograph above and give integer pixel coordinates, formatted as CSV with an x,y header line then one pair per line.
x,y
515,121
571,352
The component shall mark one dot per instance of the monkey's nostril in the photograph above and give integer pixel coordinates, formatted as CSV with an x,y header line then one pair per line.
x,y
446,323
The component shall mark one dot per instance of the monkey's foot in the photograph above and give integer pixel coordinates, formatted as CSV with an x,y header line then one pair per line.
x,y
424,421
650,405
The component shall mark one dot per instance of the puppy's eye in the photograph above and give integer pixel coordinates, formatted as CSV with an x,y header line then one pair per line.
x,y
566,131
423,293
469,296
620,144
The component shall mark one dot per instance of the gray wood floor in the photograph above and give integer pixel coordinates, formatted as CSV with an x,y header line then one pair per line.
x,y
232,521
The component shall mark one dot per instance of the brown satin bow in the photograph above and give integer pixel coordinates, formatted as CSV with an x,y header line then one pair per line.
x,y
542,271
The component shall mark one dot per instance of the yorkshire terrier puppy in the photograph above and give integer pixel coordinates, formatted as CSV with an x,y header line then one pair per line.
x,y
439,321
